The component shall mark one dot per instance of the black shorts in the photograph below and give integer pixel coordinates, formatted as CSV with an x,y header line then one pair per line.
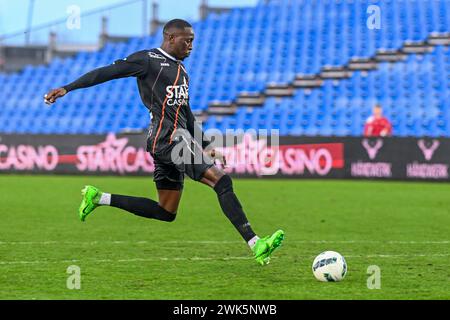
x,y
182,157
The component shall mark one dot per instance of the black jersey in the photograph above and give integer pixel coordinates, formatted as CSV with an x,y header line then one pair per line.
x,y
163,85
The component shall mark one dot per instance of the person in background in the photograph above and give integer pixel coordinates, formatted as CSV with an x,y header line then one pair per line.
x,y
377,125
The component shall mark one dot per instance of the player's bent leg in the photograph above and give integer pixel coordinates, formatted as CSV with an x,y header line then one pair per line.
x,y
142,207
169,199
212,176
165,210
232,208
223,186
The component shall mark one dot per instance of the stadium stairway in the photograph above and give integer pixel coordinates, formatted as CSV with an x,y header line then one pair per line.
x,y
414,93
301,81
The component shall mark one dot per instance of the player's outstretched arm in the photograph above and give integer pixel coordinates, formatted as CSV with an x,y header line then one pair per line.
x,y
134,65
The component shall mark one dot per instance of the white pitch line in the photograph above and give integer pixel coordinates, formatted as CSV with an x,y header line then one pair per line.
x,y
126,260
210,258
415,255
218,242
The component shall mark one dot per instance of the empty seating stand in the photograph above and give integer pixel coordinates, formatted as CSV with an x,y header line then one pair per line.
x,y
245,49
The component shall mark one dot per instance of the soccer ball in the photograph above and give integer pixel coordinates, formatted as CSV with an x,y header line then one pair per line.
x,y
329,266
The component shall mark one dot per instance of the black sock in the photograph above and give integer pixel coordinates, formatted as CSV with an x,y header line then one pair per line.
x,y
232,208
142,207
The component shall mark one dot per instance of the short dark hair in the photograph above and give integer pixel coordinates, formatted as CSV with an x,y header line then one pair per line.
x,y
176,24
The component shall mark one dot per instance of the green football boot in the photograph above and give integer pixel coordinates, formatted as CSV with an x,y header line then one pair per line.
x,y
91,197
264,247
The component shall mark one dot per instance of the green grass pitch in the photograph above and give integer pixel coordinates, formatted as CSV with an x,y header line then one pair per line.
x,y
403,228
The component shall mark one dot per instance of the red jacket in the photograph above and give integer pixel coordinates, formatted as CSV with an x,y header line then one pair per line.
x,y
374,127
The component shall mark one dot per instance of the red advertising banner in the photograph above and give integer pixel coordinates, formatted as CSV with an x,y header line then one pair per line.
x,y
310,157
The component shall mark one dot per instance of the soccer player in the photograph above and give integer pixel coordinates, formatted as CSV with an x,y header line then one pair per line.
x,y
163,85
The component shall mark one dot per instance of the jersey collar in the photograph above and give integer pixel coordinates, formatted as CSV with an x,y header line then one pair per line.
x,y
167,55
